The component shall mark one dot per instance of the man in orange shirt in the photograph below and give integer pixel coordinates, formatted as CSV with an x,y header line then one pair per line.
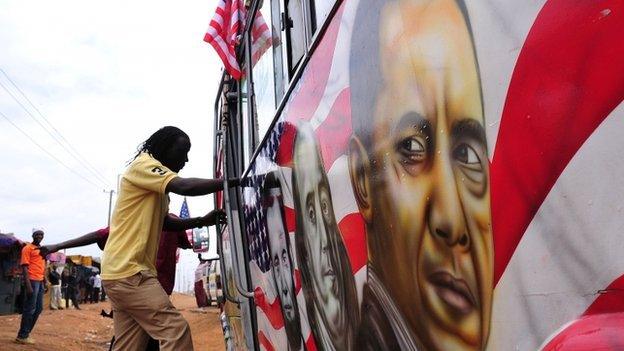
x,y
33,267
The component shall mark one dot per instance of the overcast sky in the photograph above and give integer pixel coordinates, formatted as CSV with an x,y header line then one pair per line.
x,y
106,75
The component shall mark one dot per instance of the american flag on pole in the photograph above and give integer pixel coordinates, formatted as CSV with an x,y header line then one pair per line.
x,y
261,38
223,32
184,213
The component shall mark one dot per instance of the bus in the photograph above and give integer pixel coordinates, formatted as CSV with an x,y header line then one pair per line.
x,y
424,175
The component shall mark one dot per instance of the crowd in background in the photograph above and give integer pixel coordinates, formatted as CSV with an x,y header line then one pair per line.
x,y
77,285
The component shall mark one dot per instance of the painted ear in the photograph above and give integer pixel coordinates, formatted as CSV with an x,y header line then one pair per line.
x,y
359,170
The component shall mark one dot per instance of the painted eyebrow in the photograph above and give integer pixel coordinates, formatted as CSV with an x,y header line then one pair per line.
x,y
413,120
470,128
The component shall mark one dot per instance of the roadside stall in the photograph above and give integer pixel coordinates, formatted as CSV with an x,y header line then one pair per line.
x,y
10,273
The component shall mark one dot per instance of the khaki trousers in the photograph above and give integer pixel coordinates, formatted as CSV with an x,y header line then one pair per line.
x,y
143,309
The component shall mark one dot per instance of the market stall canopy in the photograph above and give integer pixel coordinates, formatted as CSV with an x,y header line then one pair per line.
x,y
9,241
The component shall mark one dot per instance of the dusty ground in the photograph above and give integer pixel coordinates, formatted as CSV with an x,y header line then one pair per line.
x,y
73,330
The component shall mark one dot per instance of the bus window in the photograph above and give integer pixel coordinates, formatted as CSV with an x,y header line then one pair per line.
x,y
278,57
293,22
264,78
246,126
321,11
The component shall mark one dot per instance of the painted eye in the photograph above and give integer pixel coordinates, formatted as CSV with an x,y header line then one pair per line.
x,y
284,256
324,207
413,145
466,154
413,148
311,214
276,261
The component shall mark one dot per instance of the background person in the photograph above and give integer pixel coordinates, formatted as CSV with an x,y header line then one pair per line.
x,y
73,289
88,282
33,268
55,288
64,279
97,285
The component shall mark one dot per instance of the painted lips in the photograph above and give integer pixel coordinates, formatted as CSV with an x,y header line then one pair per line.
x,y
453,291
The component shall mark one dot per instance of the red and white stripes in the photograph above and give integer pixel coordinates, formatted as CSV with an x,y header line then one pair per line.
x,y
223,34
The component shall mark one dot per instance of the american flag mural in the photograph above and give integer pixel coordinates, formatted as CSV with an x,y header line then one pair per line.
x,y
276,157
551,83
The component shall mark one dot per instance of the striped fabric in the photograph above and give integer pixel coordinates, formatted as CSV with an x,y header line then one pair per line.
x,y
261,38
223,34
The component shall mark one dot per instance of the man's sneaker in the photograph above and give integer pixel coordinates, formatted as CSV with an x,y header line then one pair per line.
x,y
26,341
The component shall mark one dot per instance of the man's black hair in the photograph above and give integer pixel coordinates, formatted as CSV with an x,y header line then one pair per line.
x,y
161,141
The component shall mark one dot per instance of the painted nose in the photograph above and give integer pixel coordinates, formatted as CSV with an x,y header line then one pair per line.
x,y
323,232
446,216
452,240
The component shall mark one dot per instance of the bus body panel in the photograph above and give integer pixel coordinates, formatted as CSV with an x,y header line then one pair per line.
x,y
445,176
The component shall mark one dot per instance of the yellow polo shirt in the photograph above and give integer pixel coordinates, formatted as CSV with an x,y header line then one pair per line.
x,y
137,222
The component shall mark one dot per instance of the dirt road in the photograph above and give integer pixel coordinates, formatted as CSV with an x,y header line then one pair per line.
x,y
73,330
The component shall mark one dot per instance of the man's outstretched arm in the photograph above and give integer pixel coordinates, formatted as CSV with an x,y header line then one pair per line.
x,y
175,224
87,239
197,186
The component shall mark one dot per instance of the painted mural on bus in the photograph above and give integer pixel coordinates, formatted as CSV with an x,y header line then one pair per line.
x,y
443,176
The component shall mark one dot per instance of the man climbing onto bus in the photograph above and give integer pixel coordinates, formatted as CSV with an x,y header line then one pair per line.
x,y
141,307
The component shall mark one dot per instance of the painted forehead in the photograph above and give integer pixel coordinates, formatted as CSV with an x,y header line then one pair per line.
x,y
277,241
429,56
307,163
428,38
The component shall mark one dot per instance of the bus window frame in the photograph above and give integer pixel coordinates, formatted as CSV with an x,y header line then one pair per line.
x,y
279,67
235,159
282,88
318,35
291,67
252,122
230,136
